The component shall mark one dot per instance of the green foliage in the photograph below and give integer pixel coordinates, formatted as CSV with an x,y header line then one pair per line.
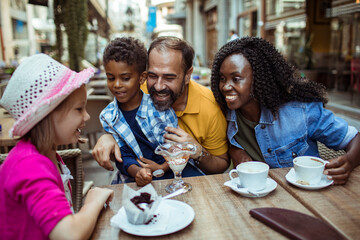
x,y
58,20
73,14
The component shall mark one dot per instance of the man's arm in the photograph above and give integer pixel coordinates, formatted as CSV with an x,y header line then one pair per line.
x,y
104,148
211,164
208,163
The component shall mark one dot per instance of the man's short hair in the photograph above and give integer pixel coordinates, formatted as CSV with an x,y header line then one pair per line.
x,y
163,43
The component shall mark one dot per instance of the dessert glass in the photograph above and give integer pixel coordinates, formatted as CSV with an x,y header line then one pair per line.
x,y
177,156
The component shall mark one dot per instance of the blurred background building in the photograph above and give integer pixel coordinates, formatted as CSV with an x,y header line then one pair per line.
x,y
320,37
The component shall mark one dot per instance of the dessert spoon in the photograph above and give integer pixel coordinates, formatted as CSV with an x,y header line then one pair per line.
x,y
177,192
250,192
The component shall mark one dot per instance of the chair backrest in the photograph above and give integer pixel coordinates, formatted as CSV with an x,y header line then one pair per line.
x,y
327,153
72,159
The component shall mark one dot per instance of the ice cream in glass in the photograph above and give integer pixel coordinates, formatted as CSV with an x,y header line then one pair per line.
x,y
177,156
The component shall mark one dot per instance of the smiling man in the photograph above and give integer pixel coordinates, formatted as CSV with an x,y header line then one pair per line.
x,y
200,119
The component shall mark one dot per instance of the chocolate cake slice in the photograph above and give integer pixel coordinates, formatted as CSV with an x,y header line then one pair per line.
x,y
142,198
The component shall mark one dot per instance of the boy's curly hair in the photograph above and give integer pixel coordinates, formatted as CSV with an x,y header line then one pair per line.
x,y
126,49
275,82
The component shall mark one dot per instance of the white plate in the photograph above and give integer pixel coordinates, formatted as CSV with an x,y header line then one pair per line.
x,y
172,216
270,186
324,182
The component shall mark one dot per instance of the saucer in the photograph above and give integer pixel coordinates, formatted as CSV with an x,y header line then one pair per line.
x,y
324,182
182,215
270,186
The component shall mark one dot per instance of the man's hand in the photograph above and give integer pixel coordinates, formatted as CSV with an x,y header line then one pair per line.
x,y
209,164
338,169
143,177
105,146
180,136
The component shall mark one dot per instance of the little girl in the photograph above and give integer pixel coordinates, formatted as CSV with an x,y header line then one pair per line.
x,y
47,101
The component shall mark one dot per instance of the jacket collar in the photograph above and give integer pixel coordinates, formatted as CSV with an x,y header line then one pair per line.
x,y
266,116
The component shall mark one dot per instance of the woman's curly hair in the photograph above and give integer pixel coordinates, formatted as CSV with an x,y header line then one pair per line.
x,y
126,49
275,82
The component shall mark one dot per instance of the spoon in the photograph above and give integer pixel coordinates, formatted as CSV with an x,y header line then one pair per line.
x,y
250,192
158,173
177,192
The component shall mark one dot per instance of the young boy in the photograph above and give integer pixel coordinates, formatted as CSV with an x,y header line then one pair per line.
x,y
131,118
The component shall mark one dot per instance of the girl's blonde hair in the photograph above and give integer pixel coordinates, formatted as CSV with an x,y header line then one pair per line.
x,y
42,135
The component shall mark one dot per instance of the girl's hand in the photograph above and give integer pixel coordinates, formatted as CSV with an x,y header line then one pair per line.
x,y
143,177
338,169
147,163
103,195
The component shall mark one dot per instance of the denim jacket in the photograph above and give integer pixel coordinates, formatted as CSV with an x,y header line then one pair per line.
x,y
295,132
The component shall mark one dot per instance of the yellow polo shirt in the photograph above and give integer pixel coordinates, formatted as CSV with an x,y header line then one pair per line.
x,y
203,119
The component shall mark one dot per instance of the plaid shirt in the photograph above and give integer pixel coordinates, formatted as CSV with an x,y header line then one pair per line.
x,y
151,121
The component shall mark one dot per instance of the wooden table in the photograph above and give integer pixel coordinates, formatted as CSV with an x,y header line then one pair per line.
x,y
6,122
220,213
339,205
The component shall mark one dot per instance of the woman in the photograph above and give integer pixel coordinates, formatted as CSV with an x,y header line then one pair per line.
x,y
273,114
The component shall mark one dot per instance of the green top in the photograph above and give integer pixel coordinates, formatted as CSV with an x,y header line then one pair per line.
x,y
246,137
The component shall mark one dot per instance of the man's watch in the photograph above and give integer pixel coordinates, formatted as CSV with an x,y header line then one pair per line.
x,y
202,153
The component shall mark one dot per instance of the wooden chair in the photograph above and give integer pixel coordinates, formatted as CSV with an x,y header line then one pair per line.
x,y
72,159
327,153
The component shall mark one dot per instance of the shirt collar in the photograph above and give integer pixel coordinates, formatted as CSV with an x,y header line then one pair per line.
x,y
193,101
143,108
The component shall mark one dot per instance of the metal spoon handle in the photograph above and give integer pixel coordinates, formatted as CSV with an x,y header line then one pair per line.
x,y
177,192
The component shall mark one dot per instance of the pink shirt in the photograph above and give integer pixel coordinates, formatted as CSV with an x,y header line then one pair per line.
x,y
32,196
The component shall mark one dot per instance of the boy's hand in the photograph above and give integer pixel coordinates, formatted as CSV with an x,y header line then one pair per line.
x,y
338,169
143,177
147,163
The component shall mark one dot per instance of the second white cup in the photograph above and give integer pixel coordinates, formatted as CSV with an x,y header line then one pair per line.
x,y
252,175
309,169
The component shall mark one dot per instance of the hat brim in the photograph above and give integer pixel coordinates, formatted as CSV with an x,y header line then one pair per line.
x,y
26,122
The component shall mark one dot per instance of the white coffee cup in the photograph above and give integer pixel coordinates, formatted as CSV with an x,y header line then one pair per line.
x,y
252,175
309,169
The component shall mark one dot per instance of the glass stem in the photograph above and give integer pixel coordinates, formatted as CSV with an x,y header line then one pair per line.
x,y
177,177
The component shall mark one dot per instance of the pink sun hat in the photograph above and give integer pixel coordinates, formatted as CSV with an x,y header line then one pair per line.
x,y
38,85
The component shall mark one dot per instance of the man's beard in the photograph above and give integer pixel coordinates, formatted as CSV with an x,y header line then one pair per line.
x,y
164,105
